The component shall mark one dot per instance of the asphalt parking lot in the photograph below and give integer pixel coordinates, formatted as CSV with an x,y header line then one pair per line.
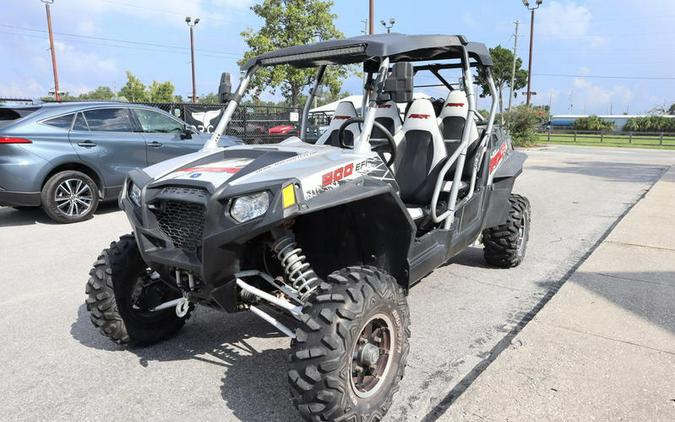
x,y
232,367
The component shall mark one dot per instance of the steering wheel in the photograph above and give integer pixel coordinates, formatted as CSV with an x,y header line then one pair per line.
x,y
387,134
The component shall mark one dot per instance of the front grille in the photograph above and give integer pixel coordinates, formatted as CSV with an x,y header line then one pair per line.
x,y
183,222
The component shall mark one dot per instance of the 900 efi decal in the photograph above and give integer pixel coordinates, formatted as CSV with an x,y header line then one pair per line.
x,y
372,167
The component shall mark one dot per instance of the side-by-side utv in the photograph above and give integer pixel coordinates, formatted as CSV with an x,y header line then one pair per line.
x,y
332,234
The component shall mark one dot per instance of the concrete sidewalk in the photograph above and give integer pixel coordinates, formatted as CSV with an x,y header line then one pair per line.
x,y
603,348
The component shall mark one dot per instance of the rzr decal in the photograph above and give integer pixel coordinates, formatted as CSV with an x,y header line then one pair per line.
x,y
497,157
231,170
215,173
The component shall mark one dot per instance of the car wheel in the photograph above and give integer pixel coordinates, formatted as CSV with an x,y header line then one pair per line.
x,y
505,245
70,196
350,351
121,292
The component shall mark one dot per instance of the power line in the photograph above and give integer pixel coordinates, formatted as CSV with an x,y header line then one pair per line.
x,y
565,75
142,43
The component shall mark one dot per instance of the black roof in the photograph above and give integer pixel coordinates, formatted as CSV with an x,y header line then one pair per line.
x,y
370,48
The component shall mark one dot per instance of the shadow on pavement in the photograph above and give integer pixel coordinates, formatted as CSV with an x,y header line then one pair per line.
x,y
34,215
254,382
649,295
611,171
471,257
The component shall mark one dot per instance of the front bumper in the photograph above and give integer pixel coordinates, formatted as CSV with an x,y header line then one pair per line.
x,y
19,199
221,251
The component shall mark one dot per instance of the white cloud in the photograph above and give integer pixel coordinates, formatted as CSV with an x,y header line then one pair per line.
x,y
568,21
22,89
598,99
168,12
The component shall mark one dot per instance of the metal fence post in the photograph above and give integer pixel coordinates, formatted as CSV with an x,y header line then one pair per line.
x,y
548,137
630,137
602,134
244,124
575,136
661,138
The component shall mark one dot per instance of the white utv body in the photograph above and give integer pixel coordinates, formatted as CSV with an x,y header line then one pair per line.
x,y
332,234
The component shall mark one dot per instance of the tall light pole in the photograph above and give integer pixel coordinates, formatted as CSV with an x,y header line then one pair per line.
x,y
191,24
48,3
371,17
513,66
529,63
388,27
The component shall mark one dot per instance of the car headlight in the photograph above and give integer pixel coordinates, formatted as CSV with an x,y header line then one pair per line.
x,y
248,207
135,194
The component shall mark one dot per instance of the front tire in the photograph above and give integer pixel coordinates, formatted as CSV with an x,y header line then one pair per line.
x,y
118,304
69,197
350,352
506,244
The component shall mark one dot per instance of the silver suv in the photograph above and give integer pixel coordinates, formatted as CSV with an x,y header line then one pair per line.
x,y
69,157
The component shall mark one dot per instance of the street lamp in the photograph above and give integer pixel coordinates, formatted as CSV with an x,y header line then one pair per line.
x,y
529,63
48,3
392,21
191,24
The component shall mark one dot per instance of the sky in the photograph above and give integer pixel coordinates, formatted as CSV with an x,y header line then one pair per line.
x,y
590,57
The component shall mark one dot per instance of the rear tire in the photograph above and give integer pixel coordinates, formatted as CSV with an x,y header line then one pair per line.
x,y
69,197
111,302
356,316
506,244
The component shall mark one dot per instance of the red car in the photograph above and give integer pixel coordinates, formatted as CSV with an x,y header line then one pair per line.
x,y
283,130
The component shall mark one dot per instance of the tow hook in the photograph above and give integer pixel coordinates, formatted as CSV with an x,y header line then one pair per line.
x,y
182,306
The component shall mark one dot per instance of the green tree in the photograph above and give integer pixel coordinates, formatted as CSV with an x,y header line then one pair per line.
x,y
593,123
101,93
161,92
134,89
523,122
288,23
210,98
502,59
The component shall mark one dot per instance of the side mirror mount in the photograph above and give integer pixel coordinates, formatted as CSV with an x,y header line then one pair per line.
x,y
398,86
187,132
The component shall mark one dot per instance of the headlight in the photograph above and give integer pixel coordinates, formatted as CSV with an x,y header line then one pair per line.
x,y
248,207
135,194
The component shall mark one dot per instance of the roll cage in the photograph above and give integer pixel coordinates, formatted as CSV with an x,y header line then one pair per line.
x,y
376,53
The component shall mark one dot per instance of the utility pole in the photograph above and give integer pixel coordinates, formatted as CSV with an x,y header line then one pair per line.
x,y
371,17
191,24
513,67
48,3
529,63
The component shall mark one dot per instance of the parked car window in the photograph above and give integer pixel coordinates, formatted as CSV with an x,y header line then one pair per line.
x,y
154,122
62,122
80,123
109,120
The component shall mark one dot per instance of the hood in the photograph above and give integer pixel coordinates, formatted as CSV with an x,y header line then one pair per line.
x,y
314,167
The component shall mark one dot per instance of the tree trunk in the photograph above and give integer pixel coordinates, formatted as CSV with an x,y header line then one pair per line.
x,y
501,98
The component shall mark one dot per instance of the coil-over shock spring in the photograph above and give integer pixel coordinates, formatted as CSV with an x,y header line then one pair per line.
x,y
299,274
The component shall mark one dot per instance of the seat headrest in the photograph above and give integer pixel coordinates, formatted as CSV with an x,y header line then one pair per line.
x,y
344,110
421,116
388,109
456,105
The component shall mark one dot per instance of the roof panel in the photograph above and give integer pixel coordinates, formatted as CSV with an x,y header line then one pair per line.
x,y
369,48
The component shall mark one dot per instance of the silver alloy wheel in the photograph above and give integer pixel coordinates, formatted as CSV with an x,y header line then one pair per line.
x,y
371,355
521,237
73,197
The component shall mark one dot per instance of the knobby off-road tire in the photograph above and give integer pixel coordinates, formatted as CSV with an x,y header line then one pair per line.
x,y
322,357
69,184
505,245
110,290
